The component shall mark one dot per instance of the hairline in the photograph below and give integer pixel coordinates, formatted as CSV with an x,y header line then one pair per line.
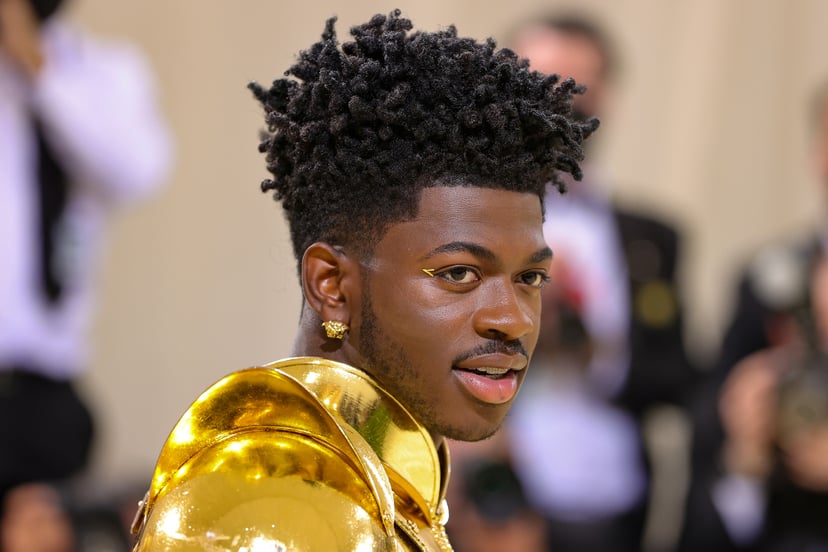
x,y
365,253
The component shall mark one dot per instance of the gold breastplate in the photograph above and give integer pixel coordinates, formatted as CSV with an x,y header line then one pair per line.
x,y
303,454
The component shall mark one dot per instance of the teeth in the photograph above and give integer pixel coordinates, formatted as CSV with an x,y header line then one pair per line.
x,y
492,371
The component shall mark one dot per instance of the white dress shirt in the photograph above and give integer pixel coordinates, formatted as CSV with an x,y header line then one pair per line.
x,y
581,229
97,104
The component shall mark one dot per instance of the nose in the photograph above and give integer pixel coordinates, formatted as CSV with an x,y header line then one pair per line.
x,y
506,312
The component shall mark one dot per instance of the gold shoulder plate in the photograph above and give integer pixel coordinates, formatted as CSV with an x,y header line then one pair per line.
x,y
258,461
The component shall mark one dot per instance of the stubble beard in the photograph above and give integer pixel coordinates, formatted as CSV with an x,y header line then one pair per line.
x,y
386,362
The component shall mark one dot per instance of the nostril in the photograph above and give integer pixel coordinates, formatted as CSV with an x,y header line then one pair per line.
x,y
496,334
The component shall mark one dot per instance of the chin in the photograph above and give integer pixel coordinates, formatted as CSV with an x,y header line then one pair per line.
x,y
472,434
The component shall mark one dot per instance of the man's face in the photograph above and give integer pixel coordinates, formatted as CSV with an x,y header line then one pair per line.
x,y
569,55
450,307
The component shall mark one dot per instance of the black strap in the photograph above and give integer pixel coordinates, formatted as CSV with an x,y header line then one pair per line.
x,y
54,191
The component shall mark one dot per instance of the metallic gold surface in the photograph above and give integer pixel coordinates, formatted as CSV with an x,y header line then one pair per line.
x,y
335,329
303,454
267,491
382,421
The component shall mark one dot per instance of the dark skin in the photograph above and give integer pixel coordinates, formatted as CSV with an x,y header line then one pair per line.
x,y
426,337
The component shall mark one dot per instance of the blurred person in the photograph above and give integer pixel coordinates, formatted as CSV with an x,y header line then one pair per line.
x,y
80,134
489,508
756,485
769,488
490,512
612,345
411,167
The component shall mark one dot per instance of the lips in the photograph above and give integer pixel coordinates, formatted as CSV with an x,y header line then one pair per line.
x,y
491,378
494,363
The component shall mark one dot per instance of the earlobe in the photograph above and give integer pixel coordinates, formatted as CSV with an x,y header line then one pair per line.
x,y
325,270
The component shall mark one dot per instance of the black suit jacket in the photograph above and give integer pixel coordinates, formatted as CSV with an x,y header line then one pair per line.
x,y
660,370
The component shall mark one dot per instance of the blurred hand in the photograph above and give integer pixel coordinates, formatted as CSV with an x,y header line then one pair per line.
x,y
747,406
806,458
20,36
34,521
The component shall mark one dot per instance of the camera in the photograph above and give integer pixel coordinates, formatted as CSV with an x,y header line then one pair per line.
x,y
802,396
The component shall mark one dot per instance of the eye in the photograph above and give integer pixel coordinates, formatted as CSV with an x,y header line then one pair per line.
x,y
459,275
534,278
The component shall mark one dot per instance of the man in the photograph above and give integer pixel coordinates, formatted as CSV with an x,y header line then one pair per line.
x,y
760,479
81,133
617,350
411,167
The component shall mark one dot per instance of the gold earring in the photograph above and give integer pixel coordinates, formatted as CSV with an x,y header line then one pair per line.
x,y
335,329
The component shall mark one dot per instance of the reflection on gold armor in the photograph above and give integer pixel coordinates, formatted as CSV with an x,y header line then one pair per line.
x,y
304,454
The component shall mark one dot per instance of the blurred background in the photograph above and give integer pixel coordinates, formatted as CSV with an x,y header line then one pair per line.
x,y
708,126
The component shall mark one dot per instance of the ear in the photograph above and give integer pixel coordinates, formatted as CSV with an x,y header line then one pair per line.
x,y
327,273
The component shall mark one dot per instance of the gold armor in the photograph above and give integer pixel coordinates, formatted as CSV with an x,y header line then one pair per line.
x,y
301,454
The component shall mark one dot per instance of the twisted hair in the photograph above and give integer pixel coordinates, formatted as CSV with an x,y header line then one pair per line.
x,y
364,126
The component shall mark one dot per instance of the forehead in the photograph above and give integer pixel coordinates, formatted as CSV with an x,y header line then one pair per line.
x,y
505,222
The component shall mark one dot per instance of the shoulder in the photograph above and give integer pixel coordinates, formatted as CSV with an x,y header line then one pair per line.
x,y
651,244
68,46
634,224
257,459
265,488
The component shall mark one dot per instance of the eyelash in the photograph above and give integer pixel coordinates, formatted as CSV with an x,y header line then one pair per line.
x,y
446,272
544,278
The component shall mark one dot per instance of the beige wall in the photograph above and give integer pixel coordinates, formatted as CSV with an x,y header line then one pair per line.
x,y
709,127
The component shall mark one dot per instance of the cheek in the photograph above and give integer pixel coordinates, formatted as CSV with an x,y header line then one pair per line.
x,y
532,338
535,309
432,327
423,321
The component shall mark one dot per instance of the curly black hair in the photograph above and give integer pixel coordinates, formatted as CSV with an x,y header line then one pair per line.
x,y
364,126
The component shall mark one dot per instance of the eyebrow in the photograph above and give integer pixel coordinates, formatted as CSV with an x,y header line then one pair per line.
x,y
542,254
479,251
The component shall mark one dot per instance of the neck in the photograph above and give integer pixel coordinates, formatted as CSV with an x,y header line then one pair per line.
x,y
311,341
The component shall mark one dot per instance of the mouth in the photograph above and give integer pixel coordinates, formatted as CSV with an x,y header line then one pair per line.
x,y
491,379
494,364
489,371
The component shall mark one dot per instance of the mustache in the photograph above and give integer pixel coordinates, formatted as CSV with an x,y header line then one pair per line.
x,y
513,347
